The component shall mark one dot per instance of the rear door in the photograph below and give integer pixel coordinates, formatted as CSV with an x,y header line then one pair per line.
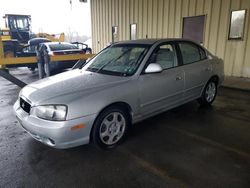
x,y
161,91
197,69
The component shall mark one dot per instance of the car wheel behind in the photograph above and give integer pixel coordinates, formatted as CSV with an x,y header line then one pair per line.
x,y
209,93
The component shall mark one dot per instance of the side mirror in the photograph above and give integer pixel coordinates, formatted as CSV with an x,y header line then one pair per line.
x,y
153,68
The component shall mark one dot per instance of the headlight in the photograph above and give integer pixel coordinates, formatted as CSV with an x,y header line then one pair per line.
x,y
50,112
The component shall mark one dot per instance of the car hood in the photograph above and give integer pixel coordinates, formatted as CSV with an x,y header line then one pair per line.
x,y
69,82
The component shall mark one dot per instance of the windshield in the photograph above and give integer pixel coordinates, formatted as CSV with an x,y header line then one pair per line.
x,y
120,60
20,23
62,46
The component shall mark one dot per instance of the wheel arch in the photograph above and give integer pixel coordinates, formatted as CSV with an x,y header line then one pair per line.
x,y
123,105
215,78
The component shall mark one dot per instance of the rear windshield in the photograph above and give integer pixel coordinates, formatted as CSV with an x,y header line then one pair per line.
x,y
55,47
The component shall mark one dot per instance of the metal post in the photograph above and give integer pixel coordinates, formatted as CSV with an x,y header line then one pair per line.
x,y
46,63
40,64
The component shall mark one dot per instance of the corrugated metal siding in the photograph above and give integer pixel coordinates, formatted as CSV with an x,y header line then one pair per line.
x,y
163,18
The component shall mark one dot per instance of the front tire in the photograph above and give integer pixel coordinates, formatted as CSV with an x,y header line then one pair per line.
x,y
110,128
209,94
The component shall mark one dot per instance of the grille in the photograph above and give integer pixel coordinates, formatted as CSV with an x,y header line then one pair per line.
x,y
25,105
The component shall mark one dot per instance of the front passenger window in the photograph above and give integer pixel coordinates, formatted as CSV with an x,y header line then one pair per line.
x,y
165,56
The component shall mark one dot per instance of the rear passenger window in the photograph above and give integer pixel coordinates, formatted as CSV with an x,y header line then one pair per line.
x,y
191,53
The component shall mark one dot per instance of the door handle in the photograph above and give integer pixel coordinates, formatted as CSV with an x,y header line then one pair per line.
x,y
178,78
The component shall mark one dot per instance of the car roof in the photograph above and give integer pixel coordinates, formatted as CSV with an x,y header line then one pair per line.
x,y
152,41
48,43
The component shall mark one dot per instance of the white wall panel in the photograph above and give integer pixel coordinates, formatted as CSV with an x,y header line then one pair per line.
x,y
164,18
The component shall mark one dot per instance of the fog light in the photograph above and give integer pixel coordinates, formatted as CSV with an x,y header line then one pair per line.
x,y
48,141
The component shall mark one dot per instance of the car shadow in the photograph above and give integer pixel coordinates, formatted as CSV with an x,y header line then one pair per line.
x,y
191,109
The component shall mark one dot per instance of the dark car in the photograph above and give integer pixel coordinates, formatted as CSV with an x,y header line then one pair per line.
x,y
59,48
83,46
30,50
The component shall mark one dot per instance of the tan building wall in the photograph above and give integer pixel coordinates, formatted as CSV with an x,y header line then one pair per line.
x,y
164,19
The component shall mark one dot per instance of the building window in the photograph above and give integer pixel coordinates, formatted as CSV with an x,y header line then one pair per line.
x,y
114,34
237,22
133,32
193,28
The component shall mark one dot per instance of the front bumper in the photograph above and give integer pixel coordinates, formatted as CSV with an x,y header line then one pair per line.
x,y
57,134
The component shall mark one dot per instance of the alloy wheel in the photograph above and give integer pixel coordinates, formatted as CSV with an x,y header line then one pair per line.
x,y
112,128
210,92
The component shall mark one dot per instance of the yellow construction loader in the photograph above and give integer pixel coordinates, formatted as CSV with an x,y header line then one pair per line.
x,y
17,44
17,34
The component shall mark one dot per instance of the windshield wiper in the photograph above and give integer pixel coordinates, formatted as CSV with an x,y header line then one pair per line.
x,y
98,70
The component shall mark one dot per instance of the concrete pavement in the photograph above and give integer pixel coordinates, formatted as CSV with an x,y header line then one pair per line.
x,y
188,146
237,83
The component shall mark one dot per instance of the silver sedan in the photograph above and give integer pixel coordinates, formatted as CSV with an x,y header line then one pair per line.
x,y
125,83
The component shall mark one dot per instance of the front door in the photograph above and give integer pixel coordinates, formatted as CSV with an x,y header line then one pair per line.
x,y
161,91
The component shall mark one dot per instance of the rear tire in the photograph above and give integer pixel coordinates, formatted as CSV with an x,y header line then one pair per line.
x,y
209,94
110,128
32,69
